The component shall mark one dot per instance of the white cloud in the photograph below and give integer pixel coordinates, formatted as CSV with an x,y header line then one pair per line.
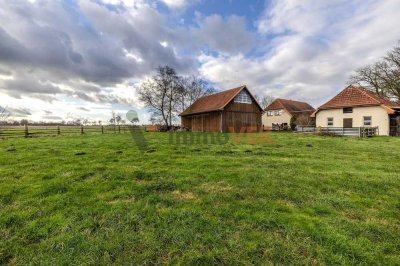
x,y
176,4
127,3
87,57
312,48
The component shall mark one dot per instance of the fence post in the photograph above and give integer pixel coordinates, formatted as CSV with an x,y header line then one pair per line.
x,y
26,132
119,129
102,130
82,129
58,130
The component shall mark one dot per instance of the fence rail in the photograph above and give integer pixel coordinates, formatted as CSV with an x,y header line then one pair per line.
x,y
340,131
40,131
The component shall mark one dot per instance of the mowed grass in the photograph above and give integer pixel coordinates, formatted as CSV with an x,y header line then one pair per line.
x,y
301,199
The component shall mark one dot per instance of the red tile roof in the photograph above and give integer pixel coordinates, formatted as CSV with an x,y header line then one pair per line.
x,y
213,102
353,96
356,96
292,107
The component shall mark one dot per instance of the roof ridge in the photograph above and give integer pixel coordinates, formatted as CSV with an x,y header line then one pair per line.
x,y
216,101
293,100
224,91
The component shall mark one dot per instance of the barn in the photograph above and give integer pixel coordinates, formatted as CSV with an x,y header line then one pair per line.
x,y
235,109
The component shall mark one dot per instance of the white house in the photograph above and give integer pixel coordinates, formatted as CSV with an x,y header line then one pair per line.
x,y
359,107
280,111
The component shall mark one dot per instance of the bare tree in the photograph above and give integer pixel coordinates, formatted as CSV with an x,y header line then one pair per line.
x,y
118,119
115,118
382,77
193,88
161,94
23,122
305,119
4,114
167,94
265,100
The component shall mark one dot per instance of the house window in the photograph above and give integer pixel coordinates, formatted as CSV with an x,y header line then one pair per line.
x,y
367,120
243,97
348,110
330,121
278,112
270,113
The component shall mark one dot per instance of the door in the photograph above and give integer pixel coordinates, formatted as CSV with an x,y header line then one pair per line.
x,y
347,122
394,125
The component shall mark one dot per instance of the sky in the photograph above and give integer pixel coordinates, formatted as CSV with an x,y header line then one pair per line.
x,y
81,59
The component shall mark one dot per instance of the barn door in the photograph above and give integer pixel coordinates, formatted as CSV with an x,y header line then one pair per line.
x,y
347,122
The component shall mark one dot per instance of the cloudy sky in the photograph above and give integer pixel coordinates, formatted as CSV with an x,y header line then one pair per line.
x,y
81,58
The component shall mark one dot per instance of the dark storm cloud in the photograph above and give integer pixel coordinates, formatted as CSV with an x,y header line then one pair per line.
x,y
50,42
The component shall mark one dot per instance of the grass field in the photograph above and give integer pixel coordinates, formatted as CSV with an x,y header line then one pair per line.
x,y
301,199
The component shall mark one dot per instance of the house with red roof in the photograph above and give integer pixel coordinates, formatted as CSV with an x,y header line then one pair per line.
x,y
358,107
280,111
231,110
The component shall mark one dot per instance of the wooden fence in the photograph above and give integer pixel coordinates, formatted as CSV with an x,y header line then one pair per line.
x,y
340,131
40,131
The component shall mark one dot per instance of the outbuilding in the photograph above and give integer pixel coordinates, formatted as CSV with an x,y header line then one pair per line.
x,y
357,107
231,110
278,114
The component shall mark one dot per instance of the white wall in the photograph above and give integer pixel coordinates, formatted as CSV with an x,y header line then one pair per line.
x,y
380,117
269,120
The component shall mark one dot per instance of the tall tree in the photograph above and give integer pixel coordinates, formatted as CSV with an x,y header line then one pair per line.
x,y
382,77
192,89
161,93
167,94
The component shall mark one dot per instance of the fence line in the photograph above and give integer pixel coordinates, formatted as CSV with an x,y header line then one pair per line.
x,y
39,131
341,131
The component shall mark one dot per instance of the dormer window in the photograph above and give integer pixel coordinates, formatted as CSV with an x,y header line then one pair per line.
x,y
243,97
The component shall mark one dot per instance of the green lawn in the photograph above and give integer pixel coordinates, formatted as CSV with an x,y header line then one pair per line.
x,y
97,199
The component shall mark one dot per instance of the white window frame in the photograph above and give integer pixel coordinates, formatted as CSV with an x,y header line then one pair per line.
x,y
278,112
329,120
243,97
270,113
369,120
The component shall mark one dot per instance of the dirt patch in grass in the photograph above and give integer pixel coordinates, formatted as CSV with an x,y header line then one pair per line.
x,y
349,216
122,200
216,187
183,195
